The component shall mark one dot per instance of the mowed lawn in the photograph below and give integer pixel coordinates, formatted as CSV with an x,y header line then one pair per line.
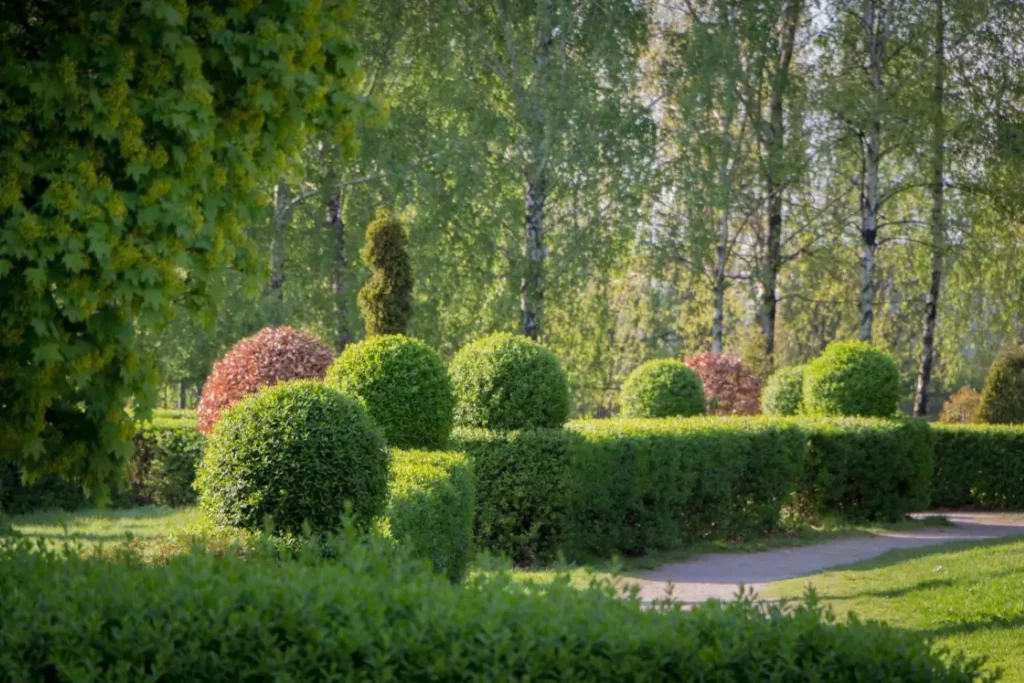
x,y
108,527
966,598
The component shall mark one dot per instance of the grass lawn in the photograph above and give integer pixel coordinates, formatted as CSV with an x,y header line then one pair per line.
x,y
109,527
967,598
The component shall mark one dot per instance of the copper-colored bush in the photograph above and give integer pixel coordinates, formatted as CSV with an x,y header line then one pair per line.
x,y
729,386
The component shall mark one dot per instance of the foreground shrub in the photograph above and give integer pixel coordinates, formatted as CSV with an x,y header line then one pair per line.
x,y
961,407
403,384
272,355
662,388
430,508
980,466
783,393
506,381
371,614
163,466
864,469
852,378
297,452
385,301
1002,401
730,388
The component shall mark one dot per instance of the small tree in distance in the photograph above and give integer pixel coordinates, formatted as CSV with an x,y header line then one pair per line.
x,y
385,301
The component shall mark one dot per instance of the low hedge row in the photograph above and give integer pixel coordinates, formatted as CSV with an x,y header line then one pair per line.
x,y
600,487
430,508
372,615
163,466
979,466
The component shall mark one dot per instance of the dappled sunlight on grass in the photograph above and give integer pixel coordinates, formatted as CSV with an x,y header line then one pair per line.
x,y
93,527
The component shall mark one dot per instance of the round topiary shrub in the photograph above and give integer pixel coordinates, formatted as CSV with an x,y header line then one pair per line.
x,y
272,355
662,388
1002,400
296,452
852,378
403,384
506,381
783,393
730,388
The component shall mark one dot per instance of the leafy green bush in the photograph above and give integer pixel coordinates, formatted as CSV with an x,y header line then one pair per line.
x,y
962,406
642,485
979,465
385,301
430,508
373,615
403,384
783,393
662,388
1002,400
854,379
866,469
506,381
297,452
163,466
134,141
46,493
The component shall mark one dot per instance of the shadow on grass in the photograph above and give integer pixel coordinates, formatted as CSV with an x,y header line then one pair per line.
x,y
994,623
900,555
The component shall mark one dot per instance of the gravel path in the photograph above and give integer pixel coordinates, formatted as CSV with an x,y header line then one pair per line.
x,y
718,575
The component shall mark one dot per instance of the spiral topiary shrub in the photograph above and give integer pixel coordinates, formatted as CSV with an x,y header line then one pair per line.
x,y
296,452
1002,400
783,393
272,355
385,301
852,378
403,384
506,381
730,388
662,388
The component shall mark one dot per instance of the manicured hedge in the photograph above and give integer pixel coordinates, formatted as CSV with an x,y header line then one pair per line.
x,y
852,378
600,487
163,467
866,469
371,615
664,387
430,508
979,465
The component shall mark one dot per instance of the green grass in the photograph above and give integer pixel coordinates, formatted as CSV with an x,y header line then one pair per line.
x,y
966,597
95,527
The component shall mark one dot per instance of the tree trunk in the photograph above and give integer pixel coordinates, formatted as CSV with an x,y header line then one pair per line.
x,y
877,34
774,181
339,266
718,300
282,199
938,228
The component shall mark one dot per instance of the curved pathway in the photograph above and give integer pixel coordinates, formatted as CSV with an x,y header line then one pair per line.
x,y
718,575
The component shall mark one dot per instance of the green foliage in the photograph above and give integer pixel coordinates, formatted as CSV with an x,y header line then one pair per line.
x,y
430,508
385,301
1002,400
506,381
642,485
962,406
163,466
404,386
979,466
662,388
297,452
133,141
866,469
46,493
852,378
373,614
783,393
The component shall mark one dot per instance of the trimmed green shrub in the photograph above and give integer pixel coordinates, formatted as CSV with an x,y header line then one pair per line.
x,y
521,483
662,388
404,386
866,469
163,466
962,406
296,452
783,393
642,485
385,301
980,466
1002,400
507,381
430,508
853,379
373,615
